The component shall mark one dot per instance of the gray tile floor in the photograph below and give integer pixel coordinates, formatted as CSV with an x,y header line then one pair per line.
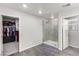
x,y
70,51
10,48
46,50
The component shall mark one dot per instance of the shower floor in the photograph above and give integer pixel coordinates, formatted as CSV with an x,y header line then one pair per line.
x,y
51,43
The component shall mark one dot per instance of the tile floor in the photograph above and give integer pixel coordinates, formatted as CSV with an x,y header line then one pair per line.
x,y
46,50
10,48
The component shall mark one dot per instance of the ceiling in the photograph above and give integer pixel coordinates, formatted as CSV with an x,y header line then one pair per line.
x,y
47,9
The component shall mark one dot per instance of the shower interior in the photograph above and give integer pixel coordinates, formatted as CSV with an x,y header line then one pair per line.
x,y
50,32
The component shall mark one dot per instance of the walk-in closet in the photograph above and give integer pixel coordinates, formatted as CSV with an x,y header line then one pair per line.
x,y
10,35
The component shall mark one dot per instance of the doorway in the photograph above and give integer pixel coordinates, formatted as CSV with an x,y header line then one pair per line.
x,y
10,35
73,31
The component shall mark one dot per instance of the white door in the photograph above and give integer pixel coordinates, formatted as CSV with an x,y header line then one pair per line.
x,y
1,37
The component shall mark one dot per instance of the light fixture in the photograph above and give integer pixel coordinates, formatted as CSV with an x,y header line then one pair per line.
x,y
24,5
40,12
52,17
47,11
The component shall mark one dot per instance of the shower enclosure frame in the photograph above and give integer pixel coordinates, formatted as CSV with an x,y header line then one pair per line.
x,y
48,41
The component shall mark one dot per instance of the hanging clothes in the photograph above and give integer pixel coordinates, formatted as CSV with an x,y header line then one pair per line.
x,y
8,31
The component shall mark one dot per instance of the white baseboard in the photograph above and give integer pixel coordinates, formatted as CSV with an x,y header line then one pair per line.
x,y
29,47
51,43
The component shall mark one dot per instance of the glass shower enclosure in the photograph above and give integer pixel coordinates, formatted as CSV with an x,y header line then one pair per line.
x,y
50,32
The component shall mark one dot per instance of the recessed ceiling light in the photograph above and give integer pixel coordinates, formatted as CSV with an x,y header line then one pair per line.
x,y
40,12
52,17
24,5
47,11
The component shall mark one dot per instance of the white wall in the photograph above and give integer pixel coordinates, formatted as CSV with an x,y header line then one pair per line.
x,y
60,35
30,28
31,32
